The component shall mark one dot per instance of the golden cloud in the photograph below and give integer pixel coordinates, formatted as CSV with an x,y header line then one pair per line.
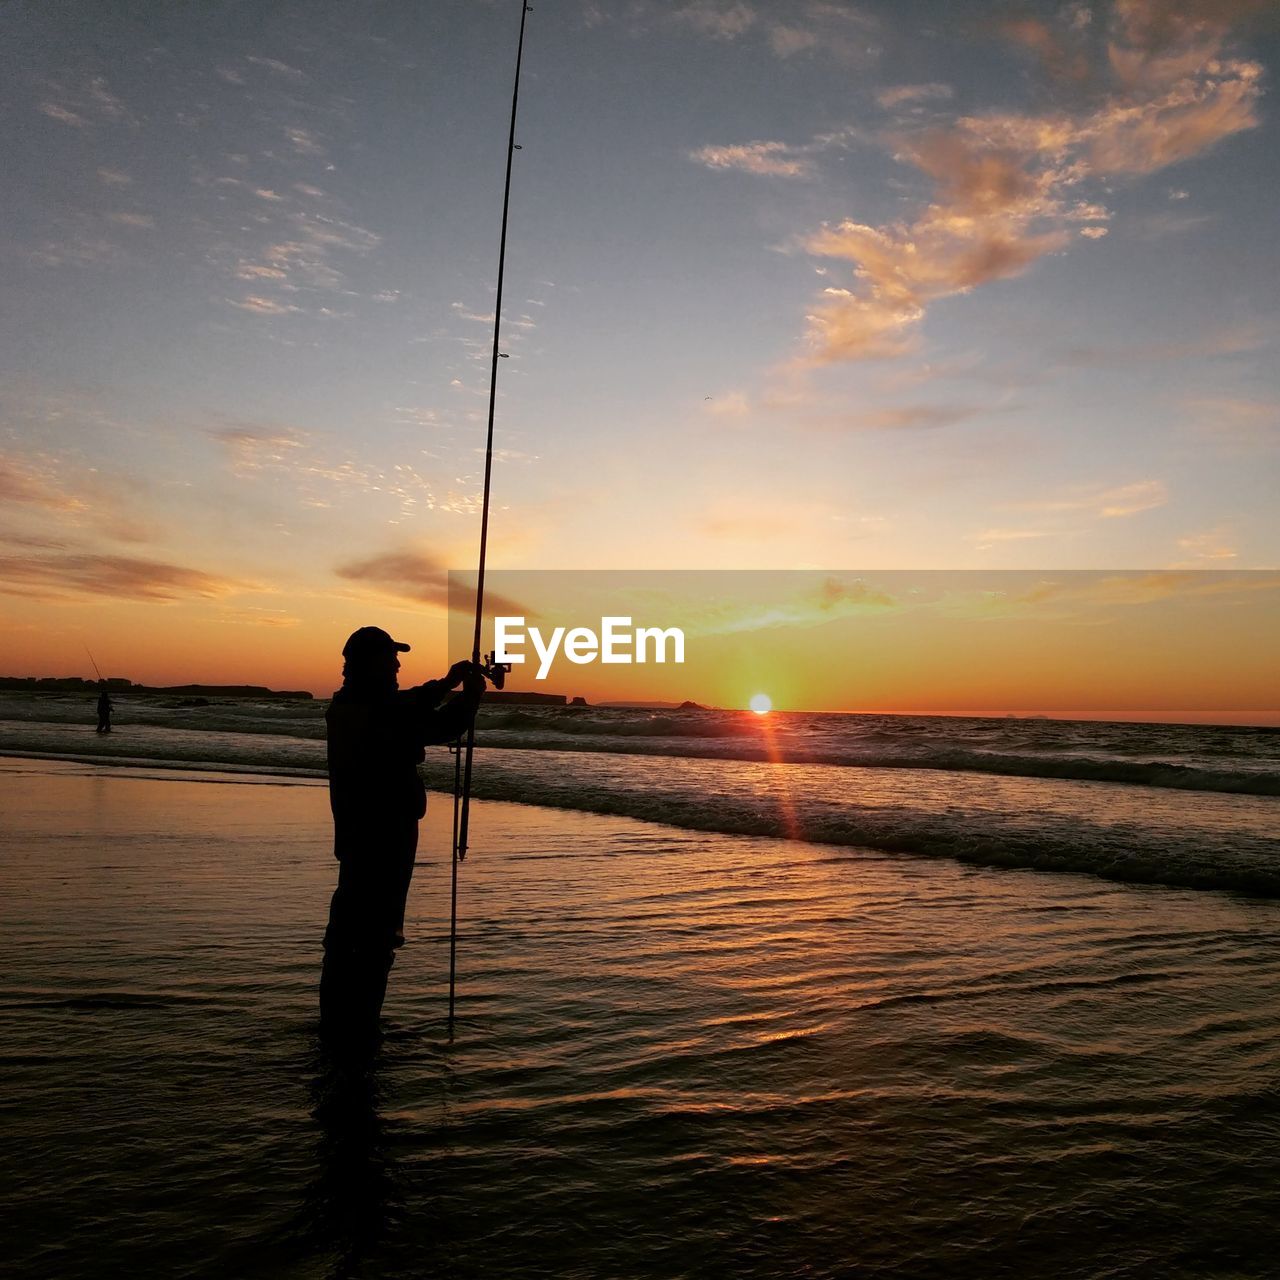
x,y
1006,186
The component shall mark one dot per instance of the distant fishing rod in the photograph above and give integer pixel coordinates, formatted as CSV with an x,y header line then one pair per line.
x,y
95,665
494,670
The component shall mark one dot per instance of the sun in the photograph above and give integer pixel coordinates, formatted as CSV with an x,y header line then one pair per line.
x,y
761,704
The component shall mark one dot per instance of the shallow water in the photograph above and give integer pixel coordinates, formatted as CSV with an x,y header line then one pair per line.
x,y
678,1054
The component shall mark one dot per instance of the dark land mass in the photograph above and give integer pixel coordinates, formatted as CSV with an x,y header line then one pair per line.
x,y
658,706
512,698
115,684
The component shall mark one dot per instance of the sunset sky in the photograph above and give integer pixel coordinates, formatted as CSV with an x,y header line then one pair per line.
x,y
790,285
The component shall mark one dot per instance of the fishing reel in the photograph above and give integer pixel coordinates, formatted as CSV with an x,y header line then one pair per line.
x,y
494,671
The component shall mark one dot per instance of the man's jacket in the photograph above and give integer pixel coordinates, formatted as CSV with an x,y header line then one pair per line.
x,y
375,746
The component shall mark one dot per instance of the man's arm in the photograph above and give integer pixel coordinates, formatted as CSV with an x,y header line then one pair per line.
x,y
438,723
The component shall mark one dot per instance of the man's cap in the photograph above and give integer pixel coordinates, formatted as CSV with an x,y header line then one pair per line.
x,y
371,641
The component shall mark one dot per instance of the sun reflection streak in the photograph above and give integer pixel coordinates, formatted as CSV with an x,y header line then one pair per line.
x,y
786,802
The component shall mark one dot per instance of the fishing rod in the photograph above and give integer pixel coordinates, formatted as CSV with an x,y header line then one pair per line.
x,y
494,670
95,665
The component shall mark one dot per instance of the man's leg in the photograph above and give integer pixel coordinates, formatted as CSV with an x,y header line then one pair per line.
x,y
366,923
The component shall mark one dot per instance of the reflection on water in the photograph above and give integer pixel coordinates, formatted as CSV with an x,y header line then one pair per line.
x,y
355,1193
678,1054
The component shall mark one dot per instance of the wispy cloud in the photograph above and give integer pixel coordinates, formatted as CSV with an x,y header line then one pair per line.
x,y
1230,341
913,417
253,449
1068,511
1211,547
830,598
789,29
84,103
31,484
989,538
912,95
273,619
63,115
1237,420
276,67
135,221
411,574
772,158
321,478
1108,503
59,575
260,306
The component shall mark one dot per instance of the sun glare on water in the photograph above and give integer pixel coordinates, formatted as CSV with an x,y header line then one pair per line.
x,y
761,704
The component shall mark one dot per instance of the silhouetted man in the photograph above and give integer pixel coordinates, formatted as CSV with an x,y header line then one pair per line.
x,y
104,710
376,737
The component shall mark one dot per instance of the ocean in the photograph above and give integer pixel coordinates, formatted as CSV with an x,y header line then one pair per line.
x,y
859,996
1189,805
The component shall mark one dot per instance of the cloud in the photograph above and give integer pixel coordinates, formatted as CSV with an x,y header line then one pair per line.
x,y
254,449
417,575
29,484
1115,502
78,249
1060,46
261,306
63,115
1234,340
989,537
252,271
1007,187
829,599
1237,420
84,103
900,270
1135,589
277,67
136,221
1110,503
252,617
899,95
721,21
1213,546
767,518
321,479
788,28
769,158
1132,499
303,141
911,417
58,575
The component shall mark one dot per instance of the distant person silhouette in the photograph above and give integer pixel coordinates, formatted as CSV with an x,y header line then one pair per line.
x,y
376,734
104,709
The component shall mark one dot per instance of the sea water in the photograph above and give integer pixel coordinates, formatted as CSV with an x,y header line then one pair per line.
x,y
1191,805
678,1052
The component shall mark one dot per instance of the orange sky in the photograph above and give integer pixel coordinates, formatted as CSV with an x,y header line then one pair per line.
x,y
1187,646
